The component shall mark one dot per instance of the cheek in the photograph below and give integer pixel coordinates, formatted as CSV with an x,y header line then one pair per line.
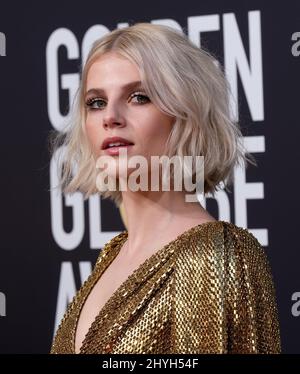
x,y
158,130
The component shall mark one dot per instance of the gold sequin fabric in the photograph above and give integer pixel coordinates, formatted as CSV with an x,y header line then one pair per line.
x,y
210,290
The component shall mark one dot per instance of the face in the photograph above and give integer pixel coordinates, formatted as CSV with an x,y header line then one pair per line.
x,y
116,106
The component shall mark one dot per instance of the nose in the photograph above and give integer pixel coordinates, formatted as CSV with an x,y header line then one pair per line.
x,y
112,117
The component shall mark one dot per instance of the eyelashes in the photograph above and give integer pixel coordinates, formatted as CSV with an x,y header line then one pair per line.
x,y
97,103
90,103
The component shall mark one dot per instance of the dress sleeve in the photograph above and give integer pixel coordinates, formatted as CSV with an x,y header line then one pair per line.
x,y
224,298
251,309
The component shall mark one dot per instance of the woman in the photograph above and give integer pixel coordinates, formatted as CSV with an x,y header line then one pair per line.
x,y
177,281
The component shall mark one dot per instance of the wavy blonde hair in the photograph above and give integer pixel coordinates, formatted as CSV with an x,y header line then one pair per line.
x,y
183,81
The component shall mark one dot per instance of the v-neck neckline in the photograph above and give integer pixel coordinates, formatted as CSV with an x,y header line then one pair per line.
x,y
111,255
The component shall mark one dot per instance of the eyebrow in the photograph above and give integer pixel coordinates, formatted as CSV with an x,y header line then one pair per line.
x,y
101,91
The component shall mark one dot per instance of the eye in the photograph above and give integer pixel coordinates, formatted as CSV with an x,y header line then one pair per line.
x,y
142,99
94,103
97,103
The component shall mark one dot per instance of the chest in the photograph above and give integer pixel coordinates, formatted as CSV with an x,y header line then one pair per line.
x,y
113,277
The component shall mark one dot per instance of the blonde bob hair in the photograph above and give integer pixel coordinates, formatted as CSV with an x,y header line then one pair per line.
x,y
183,81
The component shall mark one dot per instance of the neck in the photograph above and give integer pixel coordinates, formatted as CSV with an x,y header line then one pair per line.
x,y
152,215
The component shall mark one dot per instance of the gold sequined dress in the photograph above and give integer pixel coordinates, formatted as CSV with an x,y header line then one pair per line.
x,y
208,291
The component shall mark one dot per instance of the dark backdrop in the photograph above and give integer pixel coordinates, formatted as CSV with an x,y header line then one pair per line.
x,y
47,248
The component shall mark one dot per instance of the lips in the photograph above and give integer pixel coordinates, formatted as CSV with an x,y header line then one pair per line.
x,y
115,139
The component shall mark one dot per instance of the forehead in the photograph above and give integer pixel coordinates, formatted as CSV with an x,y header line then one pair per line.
x,y
111,70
